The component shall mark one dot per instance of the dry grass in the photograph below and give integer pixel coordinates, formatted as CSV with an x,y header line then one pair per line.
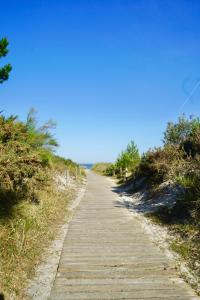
x,y
25,234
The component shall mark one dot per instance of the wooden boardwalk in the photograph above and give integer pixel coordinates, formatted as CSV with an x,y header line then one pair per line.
x,y
108,255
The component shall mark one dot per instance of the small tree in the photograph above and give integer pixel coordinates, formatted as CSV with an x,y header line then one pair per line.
x,y
128,160
5,70
133,155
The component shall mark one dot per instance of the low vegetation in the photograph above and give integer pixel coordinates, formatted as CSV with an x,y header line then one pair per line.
x,y
101,167
33,200
178,164
25,235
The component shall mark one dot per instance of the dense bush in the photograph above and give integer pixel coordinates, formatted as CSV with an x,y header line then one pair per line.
x,y
110,170
185,134
161,164
179,154
26,155
20,162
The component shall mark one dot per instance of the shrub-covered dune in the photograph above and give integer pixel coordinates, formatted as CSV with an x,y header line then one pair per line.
x,y
31,203
176,163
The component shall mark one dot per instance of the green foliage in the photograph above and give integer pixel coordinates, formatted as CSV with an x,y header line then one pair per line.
x,y
187,181
178,133
101,167
187,133
62,164
190,201
161,164
40,137
5,70
26,157
128,159
178,161
126,163
110,170
31,203
21,166
179,155
19,161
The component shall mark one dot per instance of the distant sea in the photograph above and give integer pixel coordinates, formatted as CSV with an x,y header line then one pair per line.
x,y
87,166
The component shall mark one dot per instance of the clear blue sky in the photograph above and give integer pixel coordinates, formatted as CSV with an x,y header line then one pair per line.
x,y
106,71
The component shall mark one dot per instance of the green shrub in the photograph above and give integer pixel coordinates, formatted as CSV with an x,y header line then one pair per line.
x,y
177,133
110,170
101,167
26,157
20,163
161,164
128,159
191,199
127,162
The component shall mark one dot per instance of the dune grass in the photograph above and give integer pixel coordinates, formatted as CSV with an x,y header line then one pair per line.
x,y
100,167
25,234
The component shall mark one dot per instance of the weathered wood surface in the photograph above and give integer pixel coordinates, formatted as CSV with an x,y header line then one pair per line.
x,y
108,255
